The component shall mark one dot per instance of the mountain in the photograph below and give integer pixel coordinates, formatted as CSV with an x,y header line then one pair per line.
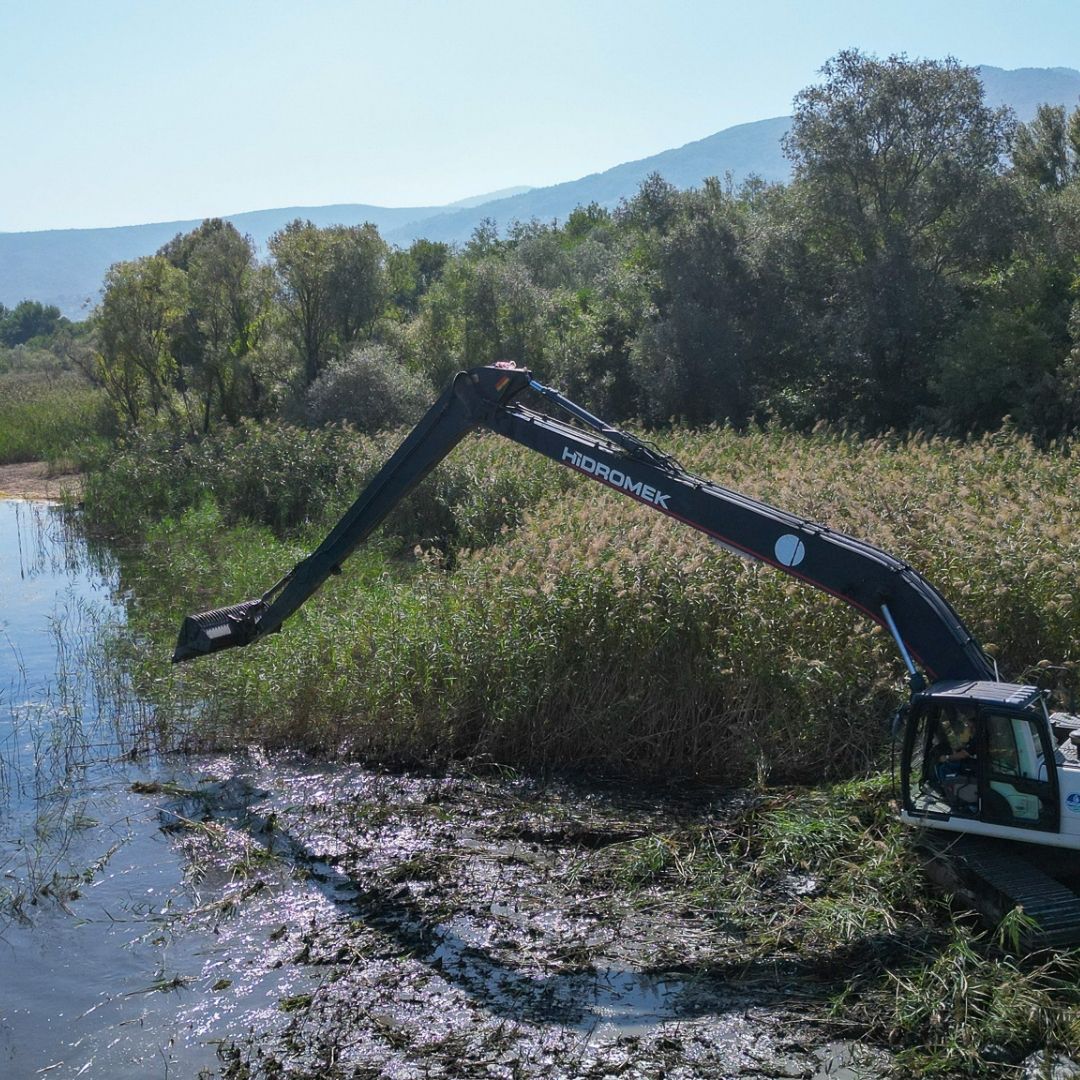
x,y
1024,89
741,150
66,266
491,196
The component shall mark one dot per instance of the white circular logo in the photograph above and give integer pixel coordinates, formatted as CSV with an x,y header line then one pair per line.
x,y
789,550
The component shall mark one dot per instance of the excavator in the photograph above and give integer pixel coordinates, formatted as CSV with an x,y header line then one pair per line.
x,y
987,772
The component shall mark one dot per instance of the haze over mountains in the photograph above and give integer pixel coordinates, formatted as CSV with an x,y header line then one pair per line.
x,y
66,267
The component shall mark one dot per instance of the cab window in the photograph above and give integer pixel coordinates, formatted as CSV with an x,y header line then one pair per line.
x,y
1019,790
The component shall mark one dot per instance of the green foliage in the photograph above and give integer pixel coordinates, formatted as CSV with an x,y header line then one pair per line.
x,y
549,621
899,164
286,477
369,389
46,417
412,272
694,360
1046,152
272,474
331,285
910,277
893,150
1011,340
221,327
29,319
144,304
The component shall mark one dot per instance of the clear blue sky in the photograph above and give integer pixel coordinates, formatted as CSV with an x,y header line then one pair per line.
x,y
123,112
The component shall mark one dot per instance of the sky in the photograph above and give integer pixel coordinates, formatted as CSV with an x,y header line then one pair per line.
x,y
118,112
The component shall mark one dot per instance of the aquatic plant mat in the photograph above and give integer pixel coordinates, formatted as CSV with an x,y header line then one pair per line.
x,y
480,923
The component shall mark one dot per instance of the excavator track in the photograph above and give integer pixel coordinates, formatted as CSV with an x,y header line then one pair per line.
x,y
994,876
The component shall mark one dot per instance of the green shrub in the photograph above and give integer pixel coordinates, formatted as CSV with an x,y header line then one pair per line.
x,y
369,389
271,474
289,477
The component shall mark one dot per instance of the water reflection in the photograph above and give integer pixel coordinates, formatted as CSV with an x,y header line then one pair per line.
x,y
84,871
63,707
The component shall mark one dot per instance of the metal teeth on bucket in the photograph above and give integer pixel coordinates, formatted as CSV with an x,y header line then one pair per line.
x,y
221,628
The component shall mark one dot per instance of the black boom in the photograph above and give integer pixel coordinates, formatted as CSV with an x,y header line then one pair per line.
x,y
883,588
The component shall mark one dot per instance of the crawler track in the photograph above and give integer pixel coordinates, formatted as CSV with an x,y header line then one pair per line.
x,y
995,876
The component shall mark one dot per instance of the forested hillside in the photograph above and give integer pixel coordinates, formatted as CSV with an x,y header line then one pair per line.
x,y
918,271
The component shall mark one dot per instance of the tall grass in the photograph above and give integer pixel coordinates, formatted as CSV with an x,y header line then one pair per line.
x,y
44,417
557,623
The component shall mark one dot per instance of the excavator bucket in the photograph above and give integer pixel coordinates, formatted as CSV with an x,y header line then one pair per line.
x,y
221,628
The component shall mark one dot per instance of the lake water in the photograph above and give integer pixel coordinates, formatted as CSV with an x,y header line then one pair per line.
x,y
89,884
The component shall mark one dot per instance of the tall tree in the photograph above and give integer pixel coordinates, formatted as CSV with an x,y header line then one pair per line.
x,y
301,261
222,318
899,163
140,313
331,284
357,281
695,354
1046,152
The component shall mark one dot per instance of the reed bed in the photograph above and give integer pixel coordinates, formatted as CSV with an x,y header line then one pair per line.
x,y
44,417
539,619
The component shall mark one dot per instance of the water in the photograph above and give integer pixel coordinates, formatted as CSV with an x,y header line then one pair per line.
x,y
89,885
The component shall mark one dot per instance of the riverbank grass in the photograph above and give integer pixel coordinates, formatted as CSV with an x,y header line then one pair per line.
x,y
47,417
511,610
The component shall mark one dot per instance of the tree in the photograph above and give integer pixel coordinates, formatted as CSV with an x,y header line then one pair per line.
x,y
653,208
897,152
504,314
357,281
369,388
1006,349
27,320
899,167
413,271
696,355
331,284
301,261
140,313
222,321
1046,152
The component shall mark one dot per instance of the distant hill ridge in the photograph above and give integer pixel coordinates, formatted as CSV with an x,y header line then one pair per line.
x,y
66,266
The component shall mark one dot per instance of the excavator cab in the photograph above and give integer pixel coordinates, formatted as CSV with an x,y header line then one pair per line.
x,y
980,757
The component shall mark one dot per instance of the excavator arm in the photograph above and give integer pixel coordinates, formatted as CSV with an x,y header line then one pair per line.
x,y
925,627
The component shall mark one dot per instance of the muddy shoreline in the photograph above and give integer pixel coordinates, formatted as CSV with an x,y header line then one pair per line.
x,y
464,925
32,480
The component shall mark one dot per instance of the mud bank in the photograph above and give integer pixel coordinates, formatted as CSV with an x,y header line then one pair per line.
x,y
394,925
31,480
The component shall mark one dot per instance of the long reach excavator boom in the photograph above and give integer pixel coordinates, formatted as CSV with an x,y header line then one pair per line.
x,y
926,628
